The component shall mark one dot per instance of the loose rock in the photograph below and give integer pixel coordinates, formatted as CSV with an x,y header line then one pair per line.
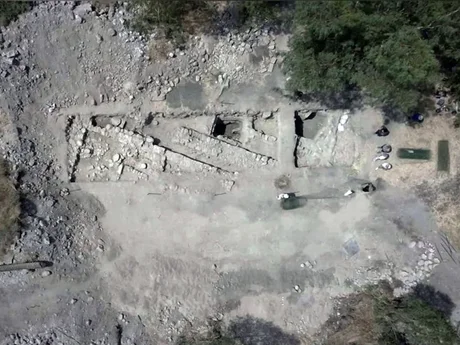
x,y
83,9
116,121
11,53
78,19
266,114
46,273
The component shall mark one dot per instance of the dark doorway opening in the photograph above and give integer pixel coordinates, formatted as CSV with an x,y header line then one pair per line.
x,y
296,158
148,120
219,127
298,122
368,187
229,129
311,116
308,122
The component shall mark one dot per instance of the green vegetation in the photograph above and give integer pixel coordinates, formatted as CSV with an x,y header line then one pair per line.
x,y
172,17
256,12
374,316
9,208
411,321
394,51
10,10
259,9
177,17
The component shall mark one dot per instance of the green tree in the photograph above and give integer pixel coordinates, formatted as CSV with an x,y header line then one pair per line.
x,y
375,316
412,321
394,51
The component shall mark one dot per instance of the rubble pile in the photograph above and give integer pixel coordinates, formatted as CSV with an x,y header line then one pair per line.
x,y
425,265
226,57
409,277
42,338
113,153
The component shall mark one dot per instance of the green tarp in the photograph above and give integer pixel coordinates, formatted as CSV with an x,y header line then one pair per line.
x,y
422,154
443,156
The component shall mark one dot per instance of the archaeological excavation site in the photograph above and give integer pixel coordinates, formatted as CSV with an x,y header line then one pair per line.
x,y
150,190
106,148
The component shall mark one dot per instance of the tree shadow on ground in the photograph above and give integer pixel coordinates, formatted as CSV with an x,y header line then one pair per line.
x,y
353,98
254,331
393,114
374,315
435,299
276,16
426,106
349,99
27,206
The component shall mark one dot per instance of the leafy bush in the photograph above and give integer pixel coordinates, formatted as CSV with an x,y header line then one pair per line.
x,y
396,52
412,321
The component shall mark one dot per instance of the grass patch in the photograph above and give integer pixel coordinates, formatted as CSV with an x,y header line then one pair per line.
x,y
10,10
9,208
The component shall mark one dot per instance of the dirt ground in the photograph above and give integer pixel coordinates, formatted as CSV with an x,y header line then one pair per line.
x,y
151,187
